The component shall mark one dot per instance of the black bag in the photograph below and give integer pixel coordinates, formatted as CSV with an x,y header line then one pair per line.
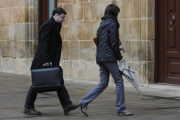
x,y
47,79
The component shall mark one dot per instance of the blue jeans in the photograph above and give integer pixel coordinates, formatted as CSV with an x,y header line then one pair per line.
x,y
105,69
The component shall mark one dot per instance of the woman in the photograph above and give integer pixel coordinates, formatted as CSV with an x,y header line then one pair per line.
x,y
107,55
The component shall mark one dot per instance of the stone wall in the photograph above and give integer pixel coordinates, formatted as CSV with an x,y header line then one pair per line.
x,y
137,33
18,34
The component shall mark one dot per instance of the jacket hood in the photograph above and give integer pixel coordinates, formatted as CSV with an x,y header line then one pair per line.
x,y
106,22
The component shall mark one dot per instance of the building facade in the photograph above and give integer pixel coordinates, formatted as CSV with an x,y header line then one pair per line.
x,y
20,21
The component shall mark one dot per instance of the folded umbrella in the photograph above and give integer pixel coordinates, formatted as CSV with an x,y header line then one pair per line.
x,y
129,74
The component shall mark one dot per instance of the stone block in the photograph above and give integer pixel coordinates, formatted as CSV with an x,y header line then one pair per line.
x,y
11,32
81,0
35,31
29,31
70,1
147,72
74,50
99,0
136,67
150,50
151,8
60,5
6,28
89,11
3,48
12,15
147,8
87,50
71,31
3,4
30,48
100,8
61,63
10,3
126,45
29,3
143,8
84,30
4,16
79,11
130,29
35,14
18,31
62,33
121,29
4,32
1,32
12,48
93,73
61,1
24,33
29,14
0,64
74,1
148,29
35,3
20,3
21,15
8,64
28,65
94,27
80,70
20,65
129,9
68,69
65,50
21,49
70,9
66,22
74,11
138,51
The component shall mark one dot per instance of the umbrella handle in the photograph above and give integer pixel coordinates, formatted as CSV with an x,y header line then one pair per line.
x,y
142,96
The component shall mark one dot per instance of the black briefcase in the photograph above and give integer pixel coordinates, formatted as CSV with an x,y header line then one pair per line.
x,y
47,79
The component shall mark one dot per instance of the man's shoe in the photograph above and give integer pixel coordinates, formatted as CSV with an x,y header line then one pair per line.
x,y
83,109
31,112
125,113
70,108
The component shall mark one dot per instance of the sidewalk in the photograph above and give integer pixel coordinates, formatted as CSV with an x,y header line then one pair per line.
x,y
162,102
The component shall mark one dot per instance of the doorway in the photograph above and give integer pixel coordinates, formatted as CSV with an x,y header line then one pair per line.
x,y
167,43
45,9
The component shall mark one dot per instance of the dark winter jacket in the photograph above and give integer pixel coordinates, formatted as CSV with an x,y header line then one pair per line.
x,y
49,44
108,41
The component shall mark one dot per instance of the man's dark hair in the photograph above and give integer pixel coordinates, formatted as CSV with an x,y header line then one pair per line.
x,y
59,11
111,10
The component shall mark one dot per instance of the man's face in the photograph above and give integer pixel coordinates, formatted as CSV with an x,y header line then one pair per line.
x,y
60,18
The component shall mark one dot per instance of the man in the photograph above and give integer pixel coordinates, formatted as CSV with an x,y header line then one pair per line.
x,y
47,54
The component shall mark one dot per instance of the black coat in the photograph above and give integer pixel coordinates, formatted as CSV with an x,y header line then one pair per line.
x,y
108,41
49,44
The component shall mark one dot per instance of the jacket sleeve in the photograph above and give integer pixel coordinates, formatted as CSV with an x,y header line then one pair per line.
x,y
45,34
114,40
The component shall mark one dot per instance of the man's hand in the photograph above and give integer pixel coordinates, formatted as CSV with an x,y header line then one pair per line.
x,y
47,64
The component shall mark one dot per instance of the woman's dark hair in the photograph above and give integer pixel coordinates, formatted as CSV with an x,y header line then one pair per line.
x,y
59,11
111,10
